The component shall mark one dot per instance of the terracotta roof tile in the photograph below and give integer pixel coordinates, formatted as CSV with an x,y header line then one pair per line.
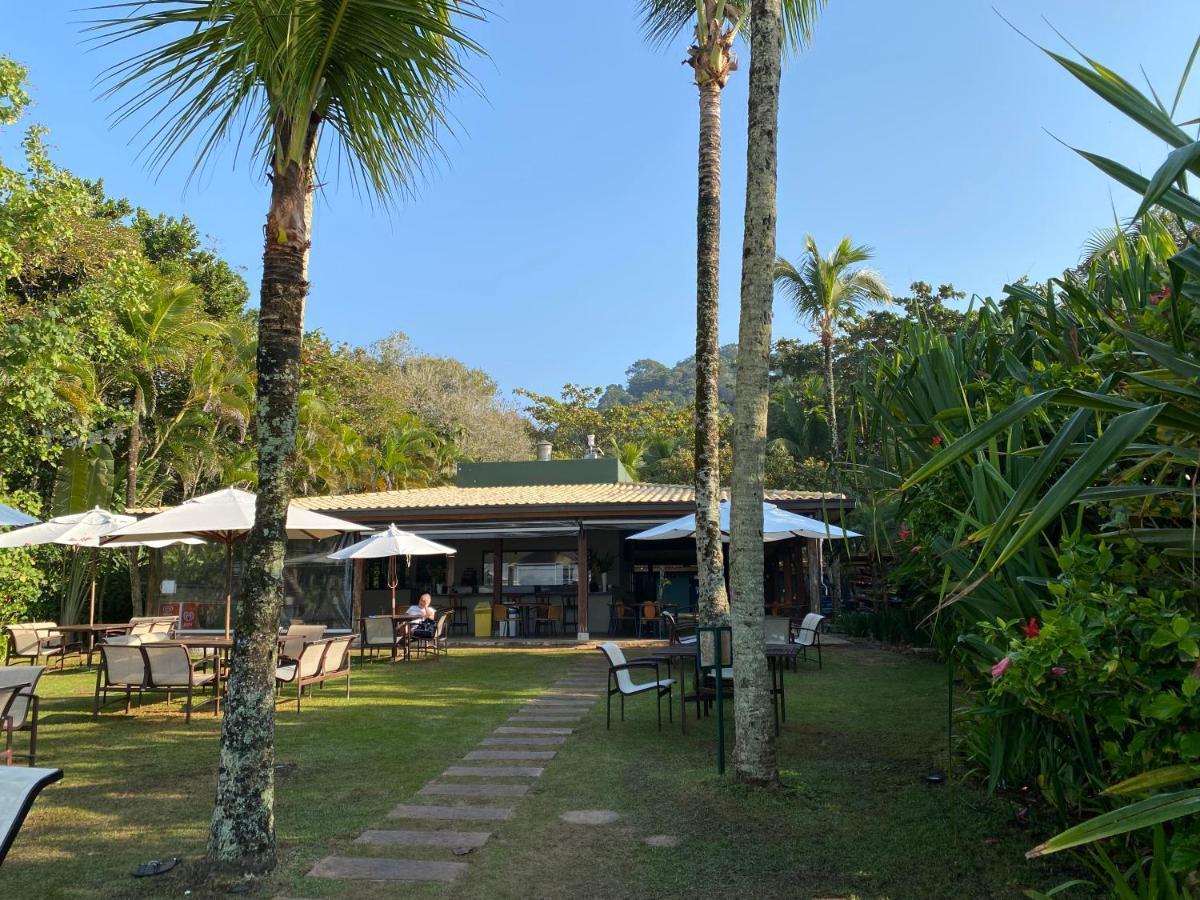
x,y
452,497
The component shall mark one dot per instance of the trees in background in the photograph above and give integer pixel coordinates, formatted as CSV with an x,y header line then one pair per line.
x,y
826,290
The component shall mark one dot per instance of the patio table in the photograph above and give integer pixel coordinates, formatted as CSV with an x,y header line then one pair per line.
x,y
91,631
777,657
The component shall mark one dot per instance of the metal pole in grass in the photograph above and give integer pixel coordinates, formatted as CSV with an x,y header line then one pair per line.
x,y
715,645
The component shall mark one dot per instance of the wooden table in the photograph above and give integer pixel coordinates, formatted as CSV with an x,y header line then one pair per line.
x,y
94,629
777,656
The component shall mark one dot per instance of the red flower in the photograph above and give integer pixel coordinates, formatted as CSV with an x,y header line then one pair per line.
x,y
1001,667
935,441
905,534
1057,671
1032,630
1160,296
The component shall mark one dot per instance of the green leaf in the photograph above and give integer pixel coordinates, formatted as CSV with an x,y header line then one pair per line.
x,y
1099,456
1173,200
1154,780
1178,162
1153,811
1165,707
976,438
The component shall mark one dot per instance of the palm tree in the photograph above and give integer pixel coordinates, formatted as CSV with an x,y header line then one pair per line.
x,y
714,25
369,77
825,290
158,334
755,758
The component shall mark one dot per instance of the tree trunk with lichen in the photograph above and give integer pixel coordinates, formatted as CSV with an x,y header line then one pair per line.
x,y
710,564
712,60
242,835
755,758
131,484
835,446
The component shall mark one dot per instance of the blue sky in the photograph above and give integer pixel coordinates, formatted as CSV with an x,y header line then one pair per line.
x,y
557,243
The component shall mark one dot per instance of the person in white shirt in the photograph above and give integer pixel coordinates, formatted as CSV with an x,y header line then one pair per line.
x,y
423,610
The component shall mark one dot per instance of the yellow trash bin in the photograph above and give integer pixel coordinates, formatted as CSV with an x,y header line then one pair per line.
x,y
483,620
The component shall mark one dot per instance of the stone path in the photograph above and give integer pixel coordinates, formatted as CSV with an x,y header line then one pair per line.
x,y
494,778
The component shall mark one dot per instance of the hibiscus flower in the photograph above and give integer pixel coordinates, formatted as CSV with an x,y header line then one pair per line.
x,y
1001,667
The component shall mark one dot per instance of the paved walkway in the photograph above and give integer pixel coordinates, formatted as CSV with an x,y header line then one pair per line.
x,y
447,818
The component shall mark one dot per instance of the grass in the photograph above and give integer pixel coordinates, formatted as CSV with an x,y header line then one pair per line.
x,y
855,819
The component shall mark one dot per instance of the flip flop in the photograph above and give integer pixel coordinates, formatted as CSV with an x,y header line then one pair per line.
x,y
155,867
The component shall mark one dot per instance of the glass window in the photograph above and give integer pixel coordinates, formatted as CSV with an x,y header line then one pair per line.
x,y
533,568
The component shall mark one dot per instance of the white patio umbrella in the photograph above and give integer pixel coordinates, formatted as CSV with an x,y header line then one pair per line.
x,y
778,525
223,517
392,543
11,516
84,529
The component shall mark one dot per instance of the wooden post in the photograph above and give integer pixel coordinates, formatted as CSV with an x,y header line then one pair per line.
x,y
498,570
814,575
582,589
358,581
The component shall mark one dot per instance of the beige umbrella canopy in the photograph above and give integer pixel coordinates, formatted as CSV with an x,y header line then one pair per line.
x,y
224,517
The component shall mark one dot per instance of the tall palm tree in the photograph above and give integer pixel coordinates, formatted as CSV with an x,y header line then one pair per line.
x,y
714,25
755,758
370,78
824,291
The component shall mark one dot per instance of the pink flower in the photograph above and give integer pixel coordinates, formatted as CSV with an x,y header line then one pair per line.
x,y
1032,630
1162,295
1001,667
935,441
1058,671
916,548
904,533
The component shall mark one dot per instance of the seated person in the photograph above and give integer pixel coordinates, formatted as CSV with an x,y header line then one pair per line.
x,y
426,613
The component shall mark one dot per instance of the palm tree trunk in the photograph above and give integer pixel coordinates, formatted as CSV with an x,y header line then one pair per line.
x,y
710,563
242,835
827,354
755,752
131,485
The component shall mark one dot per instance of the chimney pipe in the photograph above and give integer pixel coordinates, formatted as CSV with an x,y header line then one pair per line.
x,y
544,451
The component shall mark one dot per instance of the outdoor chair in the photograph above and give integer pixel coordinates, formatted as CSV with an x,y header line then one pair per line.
x,y
620,615
620,682
506,620
122,670
19,787
19,708
439,644
549,617
649,618
318,662
708,670
378,632
169,668
33,640
808,634
136,640
295,639
153,625
679,632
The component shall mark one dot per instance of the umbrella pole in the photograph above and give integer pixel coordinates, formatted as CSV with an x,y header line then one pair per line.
x,y
393,581
228,584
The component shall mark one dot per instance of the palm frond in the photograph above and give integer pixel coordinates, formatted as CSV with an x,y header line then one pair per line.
x,y
278,73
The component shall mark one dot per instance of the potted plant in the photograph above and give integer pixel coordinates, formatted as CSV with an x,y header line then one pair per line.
x,y
599,565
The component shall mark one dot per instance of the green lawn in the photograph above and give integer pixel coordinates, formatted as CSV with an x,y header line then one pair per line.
x,y
856,819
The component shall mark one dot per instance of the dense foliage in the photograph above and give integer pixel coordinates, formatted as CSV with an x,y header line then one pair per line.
x,y
1040,468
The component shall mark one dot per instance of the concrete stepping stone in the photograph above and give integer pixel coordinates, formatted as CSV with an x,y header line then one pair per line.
x,y
661,840
495,771
382,869
510,729
449,839
545,720
434,789
547,703
452,813
590,816
533,740
515,755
